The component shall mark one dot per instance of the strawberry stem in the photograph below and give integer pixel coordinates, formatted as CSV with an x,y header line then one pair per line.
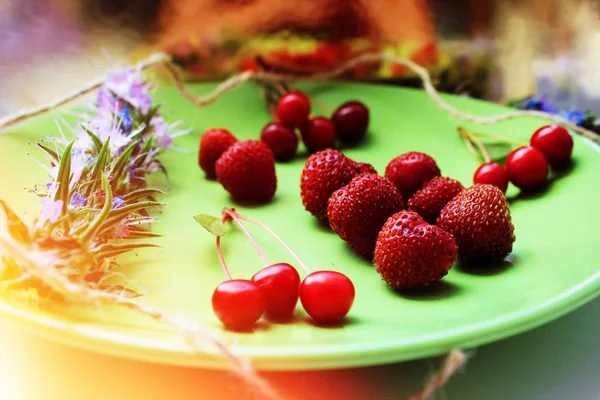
x,y
222,260
248,235
280,240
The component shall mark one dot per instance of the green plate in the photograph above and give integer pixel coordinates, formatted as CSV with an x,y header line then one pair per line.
x,y
554,267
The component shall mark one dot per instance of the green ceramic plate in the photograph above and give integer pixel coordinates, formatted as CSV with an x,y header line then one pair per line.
x,y
553,270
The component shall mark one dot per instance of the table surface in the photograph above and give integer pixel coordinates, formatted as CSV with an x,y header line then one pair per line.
x,y
555,361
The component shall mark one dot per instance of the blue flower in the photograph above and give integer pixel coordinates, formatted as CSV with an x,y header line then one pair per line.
x,y
126,122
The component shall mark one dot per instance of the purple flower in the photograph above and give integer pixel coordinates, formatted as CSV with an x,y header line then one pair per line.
x,y
118,202
129,86
161,134
78,200
50,209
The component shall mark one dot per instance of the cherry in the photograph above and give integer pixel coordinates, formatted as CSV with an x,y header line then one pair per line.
x,y
327,296
351,120
318,134
238,303
280,284
491,173
293,109
527,168
555,143
282,141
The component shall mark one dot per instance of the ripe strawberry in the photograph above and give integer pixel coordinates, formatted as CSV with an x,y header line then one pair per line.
x,y
410,171
247,171
324,172
213,144
429,201
365,168
479,219
358,210
410,253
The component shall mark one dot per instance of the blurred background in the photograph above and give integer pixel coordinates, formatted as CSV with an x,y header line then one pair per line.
x,y
500,50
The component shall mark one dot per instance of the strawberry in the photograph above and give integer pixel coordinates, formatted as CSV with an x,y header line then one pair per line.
x,y
479,219
411,254
365,168
324,172
410,171
213,144
429,201
358,210
247,171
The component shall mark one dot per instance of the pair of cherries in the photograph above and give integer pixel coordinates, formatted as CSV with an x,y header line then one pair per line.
x,y
274,291
326,296
527,166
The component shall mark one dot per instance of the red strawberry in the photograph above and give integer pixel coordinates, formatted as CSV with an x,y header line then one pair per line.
x,y
429,201
247,171
324,172
365,168
213,144
410,171
479,219
410,253
358,210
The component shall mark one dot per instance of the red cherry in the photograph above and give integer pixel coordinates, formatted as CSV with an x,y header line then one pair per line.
x,y
293,109
238,304
527,168
282,141
318,134
351,120
555,143
280,283
327,295
491,173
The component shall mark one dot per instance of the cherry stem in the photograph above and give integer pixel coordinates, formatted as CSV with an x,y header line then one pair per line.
x,y
283,87
222,260
322,105
237,220
474,139
280,240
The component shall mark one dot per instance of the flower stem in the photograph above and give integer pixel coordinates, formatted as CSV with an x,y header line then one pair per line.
x,y
280,240
235,217
222,260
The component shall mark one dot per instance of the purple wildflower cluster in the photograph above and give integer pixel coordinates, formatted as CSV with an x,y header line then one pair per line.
x,y
124,116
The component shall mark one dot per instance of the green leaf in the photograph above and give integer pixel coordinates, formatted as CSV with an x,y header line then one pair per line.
x,y
141,194
148,145
17,228
99,167
50,153
119,168
95,139
63,177
113,250
498,151
115,216
212,224
96,224
139,234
